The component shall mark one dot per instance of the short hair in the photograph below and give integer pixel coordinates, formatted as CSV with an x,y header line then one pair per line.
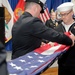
x,y
29,5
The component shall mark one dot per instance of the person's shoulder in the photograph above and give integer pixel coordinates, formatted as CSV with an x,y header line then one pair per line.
x,y
58,26
48,21
37,19
74,23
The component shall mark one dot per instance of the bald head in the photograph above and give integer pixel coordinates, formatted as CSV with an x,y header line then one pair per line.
x,y
33,8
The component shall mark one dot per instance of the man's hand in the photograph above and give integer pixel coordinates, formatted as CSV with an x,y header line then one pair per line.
x,y
73,38
42,44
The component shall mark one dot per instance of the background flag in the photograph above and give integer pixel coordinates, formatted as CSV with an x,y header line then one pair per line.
x,y
15,5
8,19
19,9
46,15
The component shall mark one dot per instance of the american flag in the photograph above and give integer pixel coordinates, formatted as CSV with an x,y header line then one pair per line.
x,y
46,15
37,61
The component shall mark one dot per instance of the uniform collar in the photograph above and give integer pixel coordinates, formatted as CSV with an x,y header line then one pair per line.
x,y
67,26
27,14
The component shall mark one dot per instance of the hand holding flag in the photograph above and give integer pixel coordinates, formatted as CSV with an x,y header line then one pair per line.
x,y
73,38
71,35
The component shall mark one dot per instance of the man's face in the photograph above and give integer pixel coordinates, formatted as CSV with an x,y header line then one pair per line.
x,y
66,16
53,16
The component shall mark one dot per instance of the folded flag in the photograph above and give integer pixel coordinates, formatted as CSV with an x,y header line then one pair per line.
x,y
37,61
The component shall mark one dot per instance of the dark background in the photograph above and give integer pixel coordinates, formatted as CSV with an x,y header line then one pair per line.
x,y
2,25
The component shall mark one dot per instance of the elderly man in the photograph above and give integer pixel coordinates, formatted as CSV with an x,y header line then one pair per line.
x,y
28,31
66,63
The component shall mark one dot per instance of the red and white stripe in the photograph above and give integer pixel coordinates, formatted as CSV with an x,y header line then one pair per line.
x,y
48,49
45,16
53,47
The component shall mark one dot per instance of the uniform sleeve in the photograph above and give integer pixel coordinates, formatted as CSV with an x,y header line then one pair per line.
x,y
43,32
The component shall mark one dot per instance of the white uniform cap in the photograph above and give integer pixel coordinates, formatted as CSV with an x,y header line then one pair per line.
x,y
65,6
43,1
